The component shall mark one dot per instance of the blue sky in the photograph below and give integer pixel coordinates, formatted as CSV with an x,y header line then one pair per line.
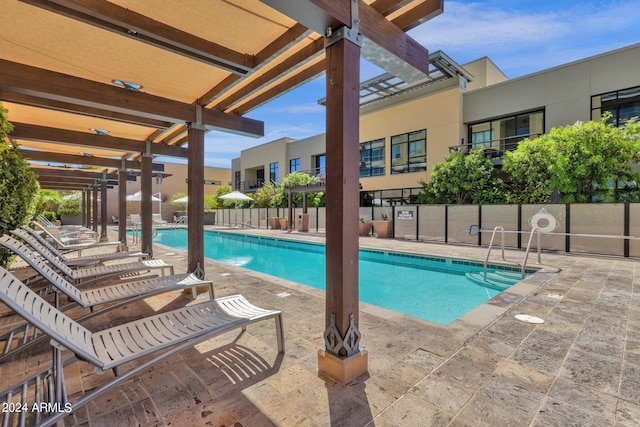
x,y
519,36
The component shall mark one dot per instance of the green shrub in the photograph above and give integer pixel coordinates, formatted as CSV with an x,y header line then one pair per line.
x,y
18,187
51,216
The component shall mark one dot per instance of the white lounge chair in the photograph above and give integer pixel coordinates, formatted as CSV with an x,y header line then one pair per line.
x,y
115,296
157,219
89,274
67,246
77,231
159,336
36,241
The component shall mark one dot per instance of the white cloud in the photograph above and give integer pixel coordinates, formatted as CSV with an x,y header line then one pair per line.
x,y
521,41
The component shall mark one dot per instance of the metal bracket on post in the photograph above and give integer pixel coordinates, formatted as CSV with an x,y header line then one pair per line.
x,y
352,34
197,124
199,272
334,342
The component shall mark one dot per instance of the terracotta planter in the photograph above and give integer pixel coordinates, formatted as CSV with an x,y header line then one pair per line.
x,y
274,223
364,228
284,224
382,229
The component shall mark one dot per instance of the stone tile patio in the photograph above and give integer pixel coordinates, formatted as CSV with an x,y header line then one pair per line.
x,y
580,367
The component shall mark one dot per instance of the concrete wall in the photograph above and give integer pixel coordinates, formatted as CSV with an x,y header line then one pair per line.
x,y
171,185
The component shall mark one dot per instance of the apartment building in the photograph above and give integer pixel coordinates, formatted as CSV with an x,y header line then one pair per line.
x,y
406,129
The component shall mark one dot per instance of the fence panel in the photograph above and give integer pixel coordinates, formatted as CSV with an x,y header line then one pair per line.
x,y
548,241
405,222
460,219
505,216
606,219
432,223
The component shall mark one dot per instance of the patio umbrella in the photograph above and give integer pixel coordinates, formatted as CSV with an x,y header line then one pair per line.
x,y
183,199
237,197
137,197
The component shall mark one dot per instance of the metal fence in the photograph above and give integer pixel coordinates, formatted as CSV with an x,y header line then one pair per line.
x,y
594,228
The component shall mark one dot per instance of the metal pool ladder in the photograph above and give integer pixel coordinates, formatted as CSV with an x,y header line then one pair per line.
x,y
526,254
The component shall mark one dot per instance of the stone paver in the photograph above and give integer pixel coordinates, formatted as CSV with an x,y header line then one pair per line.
x,y
580,367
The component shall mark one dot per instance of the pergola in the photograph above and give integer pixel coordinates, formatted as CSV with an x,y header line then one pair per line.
x,y
112,84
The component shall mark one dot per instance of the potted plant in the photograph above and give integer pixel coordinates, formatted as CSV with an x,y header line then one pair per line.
x,y
364,228
274,222
284,223
383,227
70,210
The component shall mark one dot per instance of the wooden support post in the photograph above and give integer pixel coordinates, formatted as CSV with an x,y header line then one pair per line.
x,y
122,206
195,192
146,206
342,359
94,209
103,209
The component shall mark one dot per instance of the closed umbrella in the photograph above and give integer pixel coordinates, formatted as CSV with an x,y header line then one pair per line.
x,y
237,197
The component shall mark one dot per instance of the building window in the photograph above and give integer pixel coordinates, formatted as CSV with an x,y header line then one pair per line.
x,y
622,104
409,152
237,180
503,134
320,165
294,165
274,175
372,158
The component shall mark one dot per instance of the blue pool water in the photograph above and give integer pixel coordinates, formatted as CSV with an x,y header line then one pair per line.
x,y
434,289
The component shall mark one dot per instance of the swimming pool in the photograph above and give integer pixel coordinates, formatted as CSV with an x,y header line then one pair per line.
x,y
391,280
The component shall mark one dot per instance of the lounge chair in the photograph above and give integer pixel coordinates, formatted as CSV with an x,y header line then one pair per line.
x,y
34,239
115,295
77,231
67,246
146,342
157,219
84,275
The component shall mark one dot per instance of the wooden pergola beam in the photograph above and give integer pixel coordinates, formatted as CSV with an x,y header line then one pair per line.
x,y
68,107
78,174
28,80
47,156
128,23
64,136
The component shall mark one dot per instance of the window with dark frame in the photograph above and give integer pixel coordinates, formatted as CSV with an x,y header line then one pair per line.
x,y
274,174
372,161
504,134
409,152
294,165
622,104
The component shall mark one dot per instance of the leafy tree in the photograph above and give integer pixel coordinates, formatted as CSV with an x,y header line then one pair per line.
x,y
264,196
281,198
463,178
584,162
221,203
18,186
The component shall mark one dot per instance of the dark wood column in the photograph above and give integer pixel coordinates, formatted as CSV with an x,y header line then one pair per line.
x,y
146,206
85,208
341,335
94,208
195,206
103,208
122,206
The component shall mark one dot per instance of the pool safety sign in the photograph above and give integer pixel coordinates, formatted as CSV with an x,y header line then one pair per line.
x,y
405,215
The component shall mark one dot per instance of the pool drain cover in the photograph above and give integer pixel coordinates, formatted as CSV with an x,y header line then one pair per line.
x,y
529,319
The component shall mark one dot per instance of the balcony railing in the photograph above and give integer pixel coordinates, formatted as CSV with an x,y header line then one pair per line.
x,y
496,148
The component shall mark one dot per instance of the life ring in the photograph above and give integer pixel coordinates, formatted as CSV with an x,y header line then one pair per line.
x,y
543,215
